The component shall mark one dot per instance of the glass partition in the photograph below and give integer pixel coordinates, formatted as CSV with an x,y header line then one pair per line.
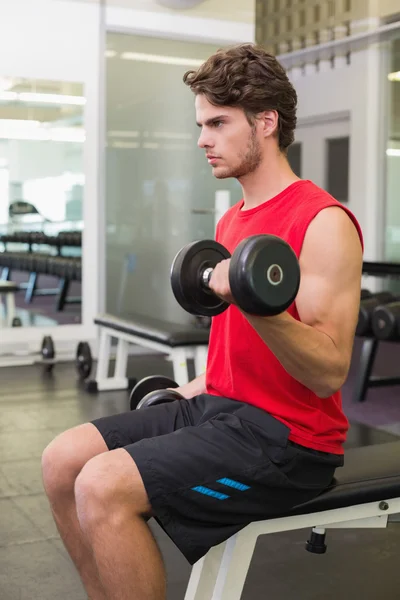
x,y
160,192
392,238
41,197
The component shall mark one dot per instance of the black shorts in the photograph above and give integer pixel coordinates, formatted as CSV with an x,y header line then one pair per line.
x,y
213,465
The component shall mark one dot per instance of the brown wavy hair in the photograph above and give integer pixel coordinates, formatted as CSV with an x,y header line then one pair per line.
x,y
247,77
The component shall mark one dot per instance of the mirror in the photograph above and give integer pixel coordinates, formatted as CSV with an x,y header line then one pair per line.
x,y
41,199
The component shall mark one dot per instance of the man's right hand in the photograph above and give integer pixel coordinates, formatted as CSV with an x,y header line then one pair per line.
x,y
193,388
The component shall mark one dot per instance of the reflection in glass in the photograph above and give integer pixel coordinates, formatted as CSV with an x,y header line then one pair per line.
x,y
41,197
392,241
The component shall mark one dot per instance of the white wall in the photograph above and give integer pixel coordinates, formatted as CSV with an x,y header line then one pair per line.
x,y
354,91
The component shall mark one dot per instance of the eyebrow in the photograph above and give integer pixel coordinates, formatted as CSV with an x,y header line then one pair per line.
x,y
212,120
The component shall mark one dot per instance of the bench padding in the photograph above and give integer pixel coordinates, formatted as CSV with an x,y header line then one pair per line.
x,y
163,332
370,474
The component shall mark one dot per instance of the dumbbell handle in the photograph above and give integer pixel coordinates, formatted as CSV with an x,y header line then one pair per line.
x,y
206,277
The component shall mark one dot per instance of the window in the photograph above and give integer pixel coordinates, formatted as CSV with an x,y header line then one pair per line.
x,y
294,158
337,168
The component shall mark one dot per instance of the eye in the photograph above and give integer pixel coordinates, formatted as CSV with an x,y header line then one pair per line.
x,y
217,124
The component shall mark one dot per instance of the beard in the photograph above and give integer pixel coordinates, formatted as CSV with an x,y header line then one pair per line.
x,y
250,160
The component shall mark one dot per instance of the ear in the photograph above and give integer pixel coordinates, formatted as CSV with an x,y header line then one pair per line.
x,y
270,122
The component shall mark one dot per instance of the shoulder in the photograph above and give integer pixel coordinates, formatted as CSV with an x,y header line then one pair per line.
x,y
330,235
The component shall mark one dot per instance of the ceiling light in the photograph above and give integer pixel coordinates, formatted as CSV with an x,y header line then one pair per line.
x,y
392,152
183,4
51,98
124,134
9,96
164,60
110,54
32,97
394,76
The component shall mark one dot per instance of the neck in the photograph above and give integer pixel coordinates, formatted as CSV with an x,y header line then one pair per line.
x,y
270,178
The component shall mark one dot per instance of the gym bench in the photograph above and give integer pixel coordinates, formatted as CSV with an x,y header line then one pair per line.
x,y
180,343
364,493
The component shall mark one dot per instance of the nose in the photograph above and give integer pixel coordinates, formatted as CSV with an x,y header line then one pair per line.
x,y
204,140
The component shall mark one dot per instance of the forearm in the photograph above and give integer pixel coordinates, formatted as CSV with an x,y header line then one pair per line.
x,y
307,354
194,388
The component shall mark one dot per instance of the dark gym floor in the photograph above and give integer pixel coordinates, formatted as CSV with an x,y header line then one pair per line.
x,y
35,566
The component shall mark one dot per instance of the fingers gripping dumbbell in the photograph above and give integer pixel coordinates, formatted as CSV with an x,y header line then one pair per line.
x,y
264,276
153,390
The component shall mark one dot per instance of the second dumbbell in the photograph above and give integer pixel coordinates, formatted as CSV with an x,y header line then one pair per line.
x,y
153,390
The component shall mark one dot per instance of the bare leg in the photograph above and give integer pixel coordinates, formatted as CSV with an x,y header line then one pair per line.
x,y
112,506
62,462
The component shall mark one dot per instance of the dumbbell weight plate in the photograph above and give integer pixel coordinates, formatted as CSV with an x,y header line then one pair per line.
x,y
186,277
147,385
264,275
48,353
367,306
158,397
83,361
385,320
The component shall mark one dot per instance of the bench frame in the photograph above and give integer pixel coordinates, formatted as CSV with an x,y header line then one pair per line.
x,y
221,574
179,355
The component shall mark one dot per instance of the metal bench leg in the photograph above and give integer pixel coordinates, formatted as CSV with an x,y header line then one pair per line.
x,y
121,360
10,309
200,359
5,274
118,381
104,356
179,358
368,353
31,288
230,569
204,575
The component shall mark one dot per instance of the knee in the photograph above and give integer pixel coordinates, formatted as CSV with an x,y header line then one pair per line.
x,y
60,464
95,495
108,493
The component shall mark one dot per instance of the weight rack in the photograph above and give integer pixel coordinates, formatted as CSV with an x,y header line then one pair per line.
x,y
365,379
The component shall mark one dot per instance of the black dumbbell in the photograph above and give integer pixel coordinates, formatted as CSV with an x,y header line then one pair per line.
x,y
153,390
47,354
83,360
367,306
365,294
386,321
264,276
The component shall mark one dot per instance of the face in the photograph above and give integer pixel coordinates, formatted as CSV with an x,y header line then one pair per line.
x,y
233,147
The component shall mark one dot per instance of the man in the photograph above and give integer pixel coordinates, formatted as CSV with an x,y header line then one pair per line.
x,y
263,429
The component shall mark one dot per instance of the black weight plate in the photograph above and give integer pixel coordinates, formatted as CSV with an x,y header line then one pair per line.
x,y
84,360
186,277
367,306
149,384
385,320
47,350
365,294
264,275
158,397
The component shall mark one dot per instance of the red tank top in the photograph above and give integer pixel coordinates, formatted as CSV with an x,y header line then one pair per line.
x,y
240,365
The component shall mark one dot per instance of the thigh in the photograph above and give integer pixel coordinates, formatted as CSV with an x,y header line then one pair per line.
x,y
123,429
207,481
